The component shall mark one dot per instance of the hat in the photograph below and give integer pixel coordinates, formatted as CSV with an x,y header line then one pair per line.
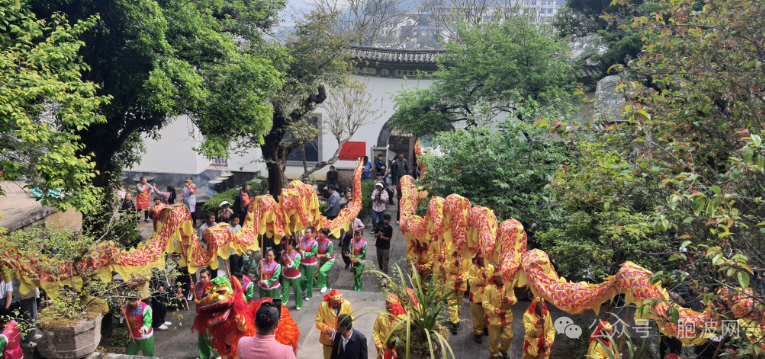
x,y
334,294
224,203
378,184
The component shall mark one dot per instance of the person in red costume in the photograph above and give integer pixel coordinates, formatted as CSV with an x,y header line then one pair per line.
x,y
10,339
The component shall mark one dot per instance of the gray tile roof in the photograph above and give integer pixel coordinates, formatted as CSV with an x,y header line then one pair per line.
x,y
402,56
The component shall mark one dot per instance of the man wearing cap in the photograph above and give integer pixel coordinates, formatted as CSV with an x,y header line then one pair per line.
x,y
225,213
456,270
497,299
379,204
326,318
540,332
477,279
384,324
138,315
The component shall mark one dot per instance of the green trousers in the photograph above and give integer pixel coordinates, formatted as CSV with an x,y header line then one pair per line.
x,y
145,346
295,284
306,280
270,293
358,268
206,351
323,270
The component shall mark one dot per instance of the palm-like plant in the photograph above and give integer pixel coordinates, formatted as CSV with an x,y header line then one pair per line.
x,y
418,333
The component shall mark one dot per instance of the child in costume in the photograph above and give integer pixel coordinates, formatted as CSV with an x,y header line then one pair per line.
x,y
10,339
270,271
358,255
308,249
497,299
138,315
540,332
291,273
247,285
326,257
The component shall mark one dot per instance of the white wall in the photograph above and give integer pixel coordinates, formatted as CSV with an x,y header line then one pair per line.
x,y
379,87
173,151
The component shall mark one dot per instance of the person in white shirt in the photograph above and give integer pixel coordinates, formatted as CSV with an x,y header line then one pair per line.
x,y
6,297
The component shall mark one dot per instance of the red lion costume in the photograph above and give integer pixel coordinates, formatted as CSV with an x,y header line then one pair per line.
x,y
224,313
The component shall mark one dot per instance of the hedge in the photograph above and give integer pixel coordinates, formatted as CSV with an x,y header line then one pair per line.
x,y
212,205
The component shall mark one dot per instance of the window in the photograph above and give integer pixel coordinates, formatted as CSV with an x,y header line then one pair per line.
x,y
549,11
312,148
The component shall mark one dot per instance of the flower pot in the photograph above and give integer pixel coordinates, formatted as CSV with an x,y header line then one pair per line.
x,y
71,342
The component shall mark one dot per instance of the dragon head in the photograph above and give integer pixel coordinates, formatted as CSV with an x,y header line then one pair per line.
x,y
217,301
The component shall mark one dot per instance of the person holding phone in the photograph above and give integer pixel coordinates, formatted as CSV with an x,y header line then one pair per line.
x,y
264,345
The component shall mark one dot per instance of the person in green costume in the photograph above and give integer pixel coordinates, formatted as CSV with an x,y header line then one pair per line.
x,y
291,272
270,271
204,349
326,258
308,249
138,315
247,286
358,256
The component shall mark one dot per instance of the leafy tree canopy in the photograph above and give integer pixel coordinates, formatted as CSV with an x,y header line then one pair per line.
x,y
495,67
44,104
506,168
159,59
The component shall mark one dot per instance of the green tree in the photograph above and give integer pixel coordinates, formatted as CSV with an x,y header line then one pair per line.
x,y
690,147
505,169
44,104
318,60
494,68
159,59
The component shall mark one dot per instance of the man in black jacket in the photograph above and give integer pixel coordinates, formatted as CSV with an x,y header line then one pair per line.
x,y
348,343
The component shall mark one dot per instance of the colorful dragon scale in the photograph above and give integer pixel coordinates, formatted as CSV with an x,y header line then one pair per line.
x,y
298,209
473,229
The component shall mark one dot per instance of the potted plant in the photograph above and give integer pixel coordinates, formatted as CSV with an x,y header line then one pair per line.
x,y
419,335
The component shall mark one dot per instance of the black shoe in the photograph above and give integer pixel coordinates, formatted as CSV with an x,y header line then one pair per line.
x,y
455,327
478,339
347,265
504,355
486,332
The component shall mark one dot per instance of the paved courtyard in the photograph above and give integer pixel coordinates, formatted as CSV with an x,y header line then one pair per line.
x,y
179,342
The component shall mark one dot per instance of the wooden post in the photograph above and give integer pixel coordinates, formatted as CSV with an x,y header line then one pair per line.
x,y
228,271
621,341
130,331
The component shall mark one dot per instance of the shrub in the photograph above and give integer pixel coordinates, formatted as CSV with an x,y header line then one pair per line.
x,y
367,187
214,202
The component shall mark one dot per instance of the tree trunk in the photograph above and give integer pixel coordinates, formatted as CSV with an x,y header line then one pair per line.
x,y
275,179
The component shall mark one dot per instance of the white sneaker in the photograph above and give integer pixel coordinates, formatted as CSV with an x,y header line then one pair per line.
x,y
398,222
167,324
298,308
29,345
162,327
307,299
323,290
37,336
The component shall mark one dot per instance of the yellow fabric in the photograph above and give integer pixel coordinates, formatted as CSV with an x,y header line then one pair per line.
x,y
477,280
534,332
327,351
527,356
455,307
492,304
479,318
326,319
456,275
383,325
597,350
503,332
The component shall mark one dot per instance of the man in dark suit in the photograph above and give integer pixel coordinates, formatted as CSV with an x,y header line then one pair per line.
x,y
348,343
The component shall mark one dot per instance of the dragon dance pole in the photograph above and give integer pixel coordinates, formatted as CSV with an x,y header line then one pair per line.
x,y
130,331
